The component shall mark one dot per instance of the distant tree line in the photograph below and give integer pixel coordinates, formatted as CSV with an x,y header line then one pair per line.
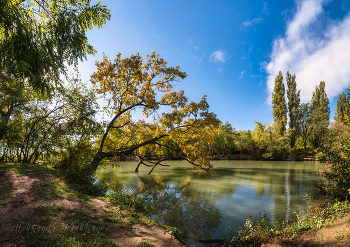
x,y
298,129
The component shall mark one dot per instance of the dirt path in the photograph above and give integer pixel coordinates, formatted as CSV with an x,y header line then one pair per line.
x,y
23,201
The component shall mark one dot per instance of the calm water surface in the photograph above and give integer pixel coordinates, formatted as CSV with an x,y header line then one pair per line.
x,y
202,205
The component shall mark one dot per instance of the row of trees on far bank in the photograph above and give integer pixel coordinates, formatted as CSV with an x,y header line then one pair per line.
x,y
298,129
307,120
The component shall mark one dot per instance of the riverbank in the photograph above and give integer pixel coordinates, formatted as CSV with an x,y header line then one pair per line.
x,y
303,157
38,208
254,157
322,224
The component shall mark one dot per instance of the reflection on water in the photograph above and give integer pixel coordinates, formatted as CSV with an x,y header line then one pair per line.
x,y
203,204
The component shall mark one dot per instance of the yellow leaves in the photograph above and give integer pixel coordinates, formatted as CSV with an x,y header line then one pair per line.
x,y
134,86
130,82
153,56
187,181
4,110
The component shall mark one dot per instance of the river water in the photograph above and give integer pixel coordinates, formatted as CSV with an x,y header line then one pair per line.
x,y
204,206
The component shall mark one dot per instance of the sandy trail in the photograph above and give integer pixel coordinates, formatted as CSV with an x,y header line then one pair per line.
x,y
23,202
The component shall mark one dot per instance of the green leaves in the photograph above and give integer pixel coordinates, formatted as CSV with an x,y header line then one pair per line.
x,y
293,106
279,106
33,124
342,112
319,117
336,170
124,200
38,37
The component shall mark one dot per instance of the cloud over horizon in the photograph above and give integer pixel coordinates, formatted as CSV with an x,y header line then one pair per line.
x,y
311,53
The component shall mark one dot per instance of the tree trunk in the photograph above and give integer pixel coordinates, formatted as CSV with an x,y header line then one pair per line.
x,y
153,168
97,159
138,165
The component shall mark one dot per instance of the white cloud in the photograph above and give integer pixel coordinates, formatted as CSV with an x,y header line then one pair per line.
x,y
266,9
196,47
218,56
190,41
312,55
242,73
252,22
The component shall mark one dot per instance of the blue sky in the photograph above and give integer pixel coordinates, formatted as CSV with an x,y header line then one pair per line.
x,y
233,50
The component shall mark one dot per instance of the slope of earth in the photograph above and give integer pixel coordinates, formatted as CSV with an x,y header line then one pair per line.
x,y
37,208
336,233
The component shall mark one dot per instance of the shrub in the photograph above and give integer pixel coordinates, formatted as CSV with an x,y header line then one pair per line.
x,y
337,168
138,203
256,233
74,163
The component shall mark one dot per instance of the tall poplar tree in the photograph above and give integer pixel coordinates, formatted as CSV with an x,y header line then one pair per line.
x,y
348,100
279,106
347,107
342,110
304,122
319,113
293,106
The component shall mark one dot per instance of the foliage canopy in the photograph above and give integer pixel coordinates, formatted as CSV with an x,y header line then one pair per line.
x,y
38,37
279,106
147,86
293,96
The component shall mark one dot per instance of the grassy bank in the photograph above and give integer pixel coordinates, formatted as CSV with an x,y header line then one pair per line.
x,y
318,215
44,209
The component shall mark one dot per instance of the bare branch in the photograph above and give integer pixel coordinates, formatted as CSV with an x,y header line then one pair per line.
x,y
121,126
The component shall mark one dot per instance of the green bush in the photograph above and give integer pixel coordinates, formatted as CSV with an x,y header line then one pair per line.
x,y
261,231
337,166
278,149
74,163
140,204
256,233
321,156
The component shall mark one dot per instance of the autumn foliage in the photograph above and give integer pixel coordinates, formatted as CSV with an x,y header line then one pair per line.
x,y
174,125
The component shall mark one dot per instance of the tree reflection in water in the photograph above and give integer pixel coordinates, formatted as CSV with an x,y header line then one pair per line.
x,y
178,202
202,204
